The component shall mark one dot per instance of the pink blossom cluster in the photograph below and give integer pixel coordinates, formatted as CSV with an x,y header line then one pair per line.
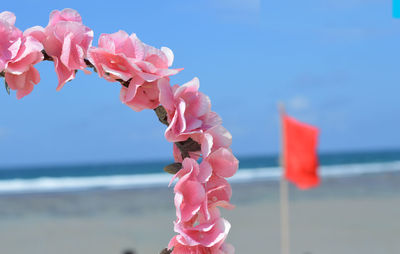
x,y
201,187
19,52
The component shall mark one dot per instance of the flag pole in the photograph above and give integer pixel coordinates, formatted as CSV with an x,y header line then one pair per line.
x,y
284,190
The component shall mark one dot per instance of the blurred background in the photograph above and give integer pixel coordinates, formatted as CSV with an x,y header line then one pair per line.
x,y
81,172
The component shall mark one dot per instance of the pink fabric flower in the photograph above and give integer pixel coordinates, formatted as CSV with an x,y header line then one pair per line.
x,y
66,40
205,234
125,57
219,192
197,195
18,54
214,138
198,249
10,38
223,162
189,111
190,194
144,95
113,54
201,231
20,73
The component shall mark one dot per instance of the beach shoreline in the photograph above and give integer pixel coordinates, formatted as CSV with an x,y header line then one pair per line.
x,y
357,214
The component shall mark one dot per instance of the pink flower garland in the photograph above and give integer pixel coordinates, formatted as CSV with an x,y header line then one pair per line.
x,y
144,72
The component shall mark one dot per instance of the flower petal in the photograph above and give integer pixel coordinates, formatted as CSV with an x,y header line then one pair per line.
x,y
223,162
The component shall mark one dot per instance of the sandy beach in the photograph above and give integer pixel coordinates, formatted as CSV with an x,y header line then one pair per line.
x,y
345,215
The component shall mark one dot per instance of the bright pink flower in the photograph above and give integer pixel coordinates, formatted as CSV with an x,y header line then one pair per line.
x,y
66,40
198,249
206,232
125,57
145,95
219,192
20,73
190,194
18,54
10,38
189,111
197,194
113,54
214,138
223,162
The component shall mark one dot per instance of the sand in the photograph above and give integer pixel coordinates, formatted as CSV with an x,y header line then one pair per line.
x,y
345,215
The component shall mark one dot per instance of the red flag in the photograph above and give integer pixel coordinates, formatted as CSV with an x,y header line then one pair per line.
x,y
300,153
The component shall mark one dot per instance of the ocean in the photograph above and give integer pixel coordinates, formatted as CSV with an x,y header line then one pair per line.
x,y
150,174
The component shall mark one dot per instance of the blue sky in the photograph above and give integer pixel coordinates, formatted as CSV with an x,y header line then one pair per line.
x,y
334,63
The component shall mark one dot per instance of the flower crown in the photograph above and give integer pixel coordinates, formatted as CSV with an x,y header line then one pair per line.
x,y
201,144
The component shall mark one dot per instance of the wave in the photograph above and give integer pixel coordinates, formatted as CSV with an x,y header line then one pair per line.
x,y
65,184
274,173
55,184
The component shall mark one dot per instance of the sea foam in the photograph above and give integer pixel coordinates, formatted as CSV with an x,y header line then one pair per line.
x,y
64,184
